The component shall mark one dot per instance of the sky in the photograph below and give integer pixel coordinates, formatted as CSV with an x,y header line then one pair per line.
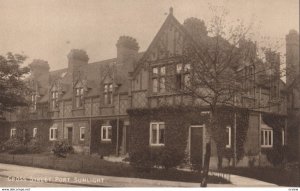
x,y
49,29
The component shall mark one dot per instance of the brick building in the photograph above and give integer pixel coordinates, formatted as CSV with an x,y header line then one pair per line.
x,y
117,105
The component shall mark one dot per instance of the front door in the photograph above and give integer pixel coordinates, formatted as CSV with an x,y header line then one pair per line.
x,y
70,135
196,146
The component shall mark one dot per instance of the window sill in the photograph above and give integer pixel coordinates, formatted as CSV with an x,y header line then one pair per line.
x,y
52,139
157,145
106,141
266,146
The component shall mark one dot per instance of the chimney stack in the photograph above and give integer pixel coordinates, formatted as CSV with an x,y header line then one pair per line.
x,y
292,56
127,52
77,59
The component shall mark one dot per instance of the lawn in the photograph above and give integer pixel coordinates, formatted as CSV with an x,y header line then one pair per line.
x,y
279,176
95,165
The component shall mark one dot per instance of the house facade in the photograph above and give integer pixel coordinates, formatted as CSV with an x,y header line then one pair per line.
x,y
124,104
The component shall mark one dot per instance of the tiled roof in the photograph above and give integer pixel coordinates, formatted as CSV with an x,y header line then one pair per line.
x,y
93,73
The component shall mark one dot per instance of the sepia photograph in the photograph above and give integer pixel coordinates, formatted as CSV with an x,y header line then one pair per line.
x,y
147,93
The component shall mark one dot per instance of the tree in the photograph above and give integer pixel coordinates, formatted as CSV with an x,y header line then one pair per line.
x,y
13,89
218,68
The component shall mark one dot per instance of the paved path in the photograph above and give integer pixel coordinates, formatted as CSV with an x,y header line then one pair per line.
x,y
30,176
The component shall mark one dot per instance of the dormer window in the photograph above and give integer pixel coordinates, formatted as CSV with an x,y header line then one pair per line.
x,y
108,90
79,97
54,99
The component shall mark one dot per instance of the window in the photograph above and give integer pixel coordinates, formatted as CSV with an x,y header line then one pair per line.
x,y
34,133
79,97
159,79
266,138
182,76
106,133
108,90
82,133
13,133
157,134
53,134
228,137
33,102
54,99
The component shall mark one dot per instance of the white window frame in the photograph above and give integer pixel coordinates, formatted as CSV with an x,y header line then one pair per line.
x,y
157,134
55,132
82,129
228,144
107,127
266,144
13,134
34,132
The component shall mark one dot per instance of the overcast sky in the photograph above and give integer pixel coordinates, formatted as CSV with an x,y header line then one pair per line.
x,y
49,29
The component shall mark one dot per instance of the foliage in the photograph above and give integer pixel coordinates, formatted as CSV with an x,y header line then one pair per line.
x,y
276,155
11,144
17,145
34,146
13,88
158,157
61,148
141,160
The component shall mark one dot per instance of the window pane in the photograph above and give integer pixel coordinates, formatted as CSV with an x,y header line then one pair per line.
x,y
266,138
155,70
105,88
163,70
187,67
178,68
109,132
161,136
162,84
262,137
270,138
104,133
155,85
110,87
105,99
51,133
55,133
187,80
81,91
154,135
227,136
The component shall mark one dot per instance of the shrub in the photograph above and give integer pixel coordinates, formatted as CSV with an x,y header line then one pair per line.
x,y
34,146
11,144
170,158
160,157
276,155
141,159
19,149
62,148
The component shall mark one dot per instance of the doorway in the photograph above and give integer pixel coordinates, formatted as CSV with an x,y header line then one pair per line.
x,y
70,135
196,134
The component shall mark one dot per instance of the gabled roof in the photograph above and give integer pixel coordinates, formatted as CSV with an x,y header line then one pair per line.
x,y
93,75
